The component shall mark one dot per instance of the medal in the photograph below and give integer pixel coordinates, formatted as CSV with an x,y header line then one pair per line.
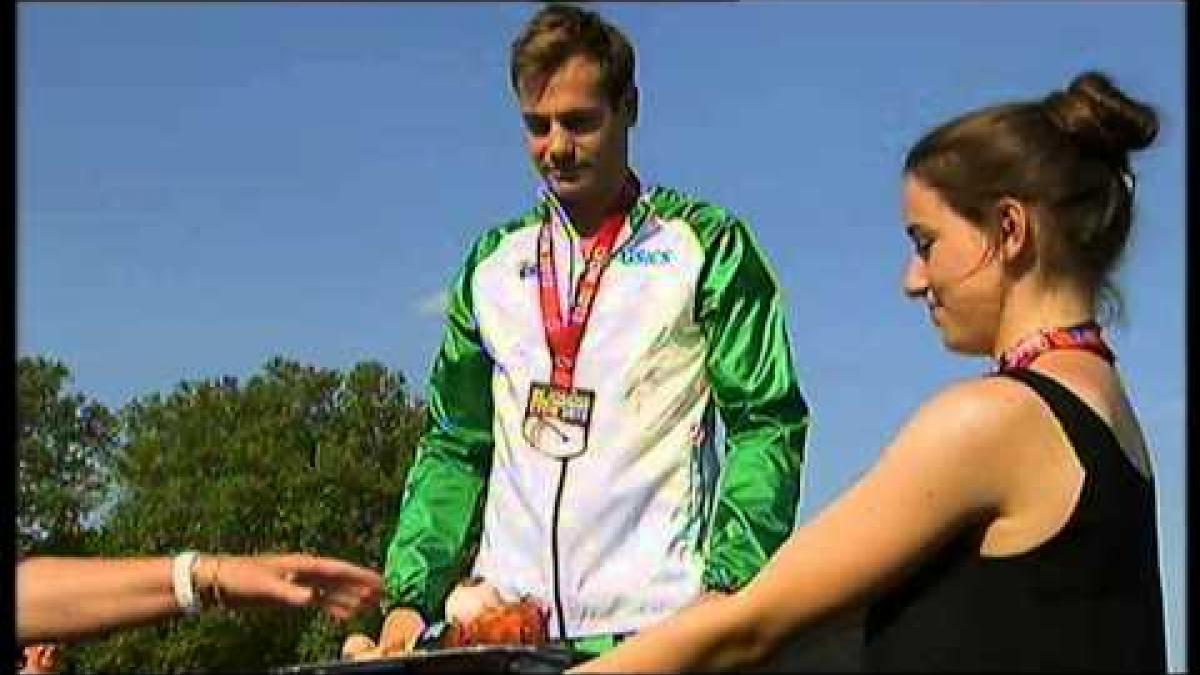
x,y
558,415
557,419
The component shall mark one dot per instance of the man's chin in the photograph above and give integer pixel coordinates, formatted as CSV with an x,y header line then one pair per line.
x,y
570,193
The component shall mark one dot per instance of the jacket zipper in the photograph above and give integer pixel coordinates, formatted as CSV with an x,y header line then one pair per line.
x,y
558,606
562,474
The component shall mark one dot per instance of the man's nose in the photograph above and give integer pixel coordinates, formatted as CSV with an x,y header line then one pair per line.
x,y
561,143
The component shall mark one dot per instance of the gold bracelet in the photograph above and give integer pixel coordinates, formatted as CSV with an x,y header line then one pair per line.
x,y
216,584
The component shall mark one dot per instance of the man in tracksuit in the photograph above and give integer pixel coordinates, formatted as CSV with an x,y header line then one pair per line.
x,y
570,452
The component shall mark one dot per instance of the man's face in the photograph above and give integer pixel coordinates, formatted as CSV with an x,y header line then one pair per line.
x,y
577,139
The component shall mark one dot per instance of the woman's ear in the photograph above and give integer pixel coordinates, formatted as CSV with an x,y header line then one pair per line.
x,y
1015,228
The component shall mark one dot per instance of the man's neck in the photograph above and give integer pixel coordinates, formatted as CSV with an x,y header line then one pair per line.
x,y
586,222
588,218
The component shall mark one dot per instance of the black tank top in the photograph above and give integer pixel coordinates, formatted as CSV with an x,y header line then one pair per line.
x,y
1088,599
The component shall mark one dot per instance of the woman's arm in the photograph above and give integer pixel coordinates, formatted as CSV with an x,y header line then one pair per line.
x,y
71,598
943,469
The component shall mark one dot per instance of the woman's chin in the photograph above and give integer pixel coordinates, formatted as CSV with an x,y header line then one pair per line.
x,y
957,345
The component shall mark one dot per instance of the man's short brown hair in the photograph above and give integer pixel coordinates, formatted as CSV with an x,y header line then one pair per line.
x,y
558,32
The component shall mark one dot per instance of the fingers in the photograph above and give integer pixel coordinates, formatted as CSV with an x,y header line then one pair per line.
x,y
371,654
401,630
341,588
343,602
357,645
329,570
467,602
399,634
292,592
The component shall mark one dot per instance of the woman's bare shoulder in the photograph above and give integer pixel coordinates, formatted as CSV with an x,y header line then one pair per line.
x,y
976,408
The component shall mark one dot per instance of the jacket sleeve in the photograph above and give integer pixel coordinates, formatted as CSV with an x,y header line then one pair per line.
x,y
441,511
765,415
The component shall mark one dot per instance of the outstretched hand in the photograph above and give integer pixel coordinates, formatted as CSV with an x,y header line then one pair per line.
x,y
340,588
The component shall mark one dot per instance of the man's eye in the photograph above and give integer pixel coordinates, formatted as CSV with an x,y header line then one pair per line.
x,y
538,126
922,246
581,123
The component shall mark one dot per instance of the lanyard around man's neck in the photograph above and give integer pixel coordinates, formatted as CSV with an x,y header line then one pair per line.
x,y
563,337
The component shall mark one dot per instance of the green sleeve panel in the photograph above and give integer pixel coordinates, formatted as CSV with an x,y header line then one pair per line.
x,y
442,508
755,388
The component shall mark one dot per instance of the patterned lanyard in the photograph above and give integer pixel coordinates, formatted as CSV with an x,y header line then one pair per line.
x,y
1084,336
563,337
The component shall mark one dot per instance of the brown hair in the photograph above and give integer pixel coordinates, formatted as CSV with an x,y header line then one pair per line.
x,y
1067,155
558,32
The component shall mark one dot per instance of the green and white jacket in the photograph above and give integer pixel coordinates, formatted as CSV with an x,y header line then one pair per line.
x,y
688,321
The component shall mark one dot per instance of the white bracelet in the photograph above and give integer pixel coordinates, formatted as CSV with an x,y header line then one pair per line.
x,y
181,582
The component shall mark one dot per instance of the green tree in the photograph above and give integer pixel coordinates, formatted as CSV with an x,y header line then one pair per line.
x,y
299,458
66,445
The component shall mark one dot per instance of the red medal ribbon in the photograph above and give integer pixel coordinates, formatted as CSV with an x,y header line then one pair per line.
x,y
1086,336
564,339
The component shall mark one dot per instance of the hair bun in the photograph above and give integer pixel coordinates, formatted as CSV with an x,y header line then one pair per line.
x,y
1101,118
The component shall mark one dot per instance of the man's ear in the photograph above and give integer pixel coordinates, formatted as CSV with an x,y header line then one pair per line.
x,y
629,105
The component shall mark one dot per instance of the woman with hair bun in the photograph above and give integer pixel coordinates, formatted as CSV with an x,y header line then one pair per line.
x,y
1010,524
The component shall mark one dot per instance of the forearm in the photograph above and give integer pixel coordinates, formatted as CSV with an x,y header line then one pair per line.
x,y
766,417
713,635
757,498
440,513
438,525
71,598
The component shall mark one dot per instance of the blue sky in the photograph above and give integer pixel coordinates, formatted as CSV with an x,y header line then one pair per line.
x,y
201,188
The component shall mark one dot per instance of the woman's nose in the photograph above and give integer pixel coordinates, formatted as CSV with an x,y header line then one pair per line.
x,y
915,283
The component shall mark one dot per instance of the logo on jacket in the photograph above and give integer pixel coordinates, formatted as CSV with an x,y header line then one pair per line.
x,y
635,257
642,257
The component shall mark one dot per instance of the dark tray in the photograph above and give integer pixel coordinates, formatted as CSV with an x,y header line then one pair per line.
x,y
480,659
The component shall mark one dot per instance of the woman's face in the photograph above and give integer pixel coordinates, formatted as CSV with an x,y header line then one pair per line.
x,y
954,269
